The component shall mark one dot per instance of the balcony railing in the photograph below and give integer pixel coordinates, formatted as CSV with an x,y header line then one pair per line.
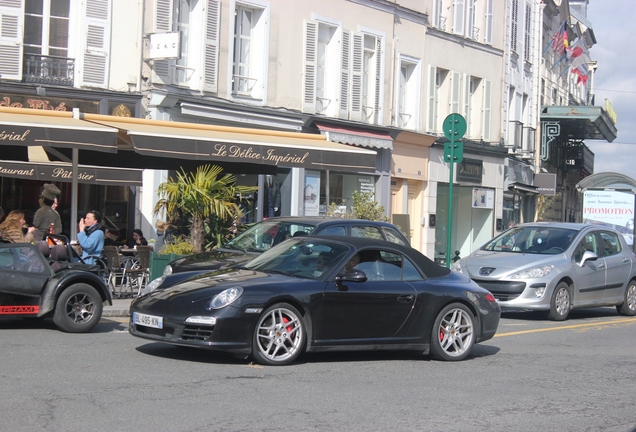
x,y
43,69
515,134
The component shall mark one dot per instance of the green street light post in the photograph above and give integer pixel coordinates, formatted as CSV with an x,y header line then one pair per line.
x,y
454,127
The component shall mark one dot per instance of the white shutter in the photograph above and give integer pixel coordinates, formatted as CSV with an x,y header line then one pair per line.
x,y
470,19
96,56
162,24
356,77
456,89
431,122
489,22
377,101
487,110
11,18
437,13
345,75
211,53
467,97
310,66
458,17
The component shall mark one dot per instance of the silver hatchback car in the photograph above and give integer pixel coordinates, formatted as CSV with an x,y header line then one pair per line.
x,y
556,267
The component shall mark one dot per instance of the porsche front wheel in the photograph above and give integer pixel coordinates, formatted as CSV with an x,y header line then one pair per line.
x,y
453,333
78,309
279,335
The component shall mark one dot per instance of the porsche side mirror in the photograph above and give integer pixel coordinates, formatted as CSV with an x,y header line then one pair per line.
x,y
352,276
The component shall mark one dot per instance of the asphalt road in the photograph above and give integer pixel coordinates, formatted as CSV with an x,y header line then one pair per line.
x,y
535,375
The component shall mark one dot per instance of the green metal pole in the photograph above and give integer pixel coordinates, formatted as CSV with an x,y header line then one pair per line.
x,y
450,203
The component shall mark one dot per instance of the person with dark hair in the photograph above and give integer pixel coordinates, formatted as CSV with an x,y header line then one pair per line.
x,y
46,215
91,236
11,229
137,239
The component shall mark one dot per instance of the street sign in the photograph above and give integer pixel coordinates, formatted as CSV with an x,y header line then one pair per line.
x,y
454,128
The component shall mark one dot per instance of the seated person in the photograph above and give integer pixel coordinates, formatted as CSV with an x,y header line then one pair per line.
x,y
91,236
322,263
111,239
354,261
137,239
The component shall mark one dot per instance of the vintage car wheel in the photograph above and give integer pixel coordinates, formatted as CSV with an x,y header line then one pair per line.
x,y
78,309
560,303
628,308
453,333
279,335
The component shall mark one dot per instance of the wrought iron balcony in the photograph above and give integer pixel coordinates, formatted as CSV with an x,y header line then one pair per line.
x,y
44,69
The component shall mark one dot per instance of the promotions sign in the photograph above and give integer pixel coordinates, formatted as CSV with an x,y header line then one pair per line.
x,y
612,208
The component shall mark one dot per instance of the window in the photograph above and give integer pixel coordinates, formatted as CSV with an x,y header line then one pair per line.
x,y
471,31
250,51
371,78
408,94
367,232
438,20
437,83
327,66
197,24
487,110
489,21
46,24
611,244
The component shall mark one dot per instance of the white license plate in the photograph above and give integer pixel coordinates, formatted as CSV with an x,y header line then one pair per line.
x,y
148,320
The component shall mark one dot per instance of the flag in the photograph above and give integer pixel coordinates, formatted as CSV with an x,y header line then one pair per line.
x,y
560,39
578,55
581,72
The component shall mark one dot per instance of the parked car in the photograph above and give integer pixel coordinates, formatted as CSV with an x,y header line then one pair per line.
x,y
556,267
41,282
267,233
308,294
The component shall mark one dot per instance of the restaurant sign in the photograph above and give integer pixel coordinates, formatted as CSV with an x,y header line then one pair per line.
x,y
61,172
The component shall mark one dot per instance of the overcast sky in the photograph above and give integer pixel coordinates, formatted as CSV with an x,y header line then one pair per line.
x,y
614,22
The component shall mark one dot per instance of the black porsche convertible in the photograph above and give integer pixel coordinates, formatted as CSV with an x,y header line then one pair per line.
x,y
322,293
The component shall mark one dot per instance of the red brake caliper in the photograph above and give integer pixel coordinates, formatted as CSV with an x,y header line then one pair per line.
x,y
288,328
441,334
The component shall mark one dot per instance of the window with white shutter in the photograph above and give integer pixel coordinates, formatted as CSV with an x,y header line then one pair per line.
x,y
309,66
356,77
471,31
11,13
466,109
345,75
408,97
211,50
527,40
456,89
97,30
514,25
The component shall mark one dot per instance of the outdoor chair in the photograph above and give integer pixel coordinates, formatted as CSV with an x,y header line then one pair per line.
x,y
116,268
137,270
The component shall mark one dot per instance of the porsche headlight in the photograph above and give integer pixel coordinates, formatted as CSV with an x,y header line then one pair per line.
x,y
533,273
153,285
168,270
456,266
226,297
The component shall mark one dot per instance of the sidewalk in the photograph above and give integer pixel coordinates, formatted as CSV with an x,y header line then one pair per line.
x,y
120,308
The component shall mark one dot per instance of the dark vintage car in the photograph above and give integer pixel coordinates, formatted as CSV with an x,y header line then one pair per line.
x,y
41,282
322,293
270,232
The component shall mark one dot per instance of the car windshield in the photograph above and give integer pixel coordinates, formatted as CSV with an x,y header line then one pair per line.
x,y
534,240
301,258
263,235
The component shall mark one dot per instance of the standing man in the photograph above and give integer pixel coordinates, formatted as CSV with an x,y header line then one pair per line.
x,y
91,236
46,215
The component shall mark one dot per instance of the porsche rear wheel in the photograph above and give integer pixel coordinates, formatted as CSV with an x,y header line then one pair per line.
x,y
78,309
628,308
279,335
453,333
